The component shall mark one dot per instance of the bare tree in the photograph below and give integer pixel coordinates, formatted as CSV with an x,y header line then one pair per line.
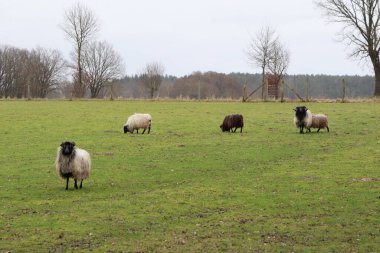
x,y
279,61
46,71
260,50
152,76
101,64
13,72
80,25
361,20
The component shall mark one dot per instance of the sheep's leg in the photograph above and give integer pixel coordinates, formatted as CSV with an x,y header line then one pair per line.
x,y
143,131
137,130
81,181
148,129
241,129
301,130
235,130
67,183
318,130
328,130
75,184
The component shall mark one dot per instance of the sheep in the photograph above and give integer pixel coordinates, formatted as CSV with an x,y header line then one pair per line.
x,y
72,162
319,121
137,121
232,121
302,118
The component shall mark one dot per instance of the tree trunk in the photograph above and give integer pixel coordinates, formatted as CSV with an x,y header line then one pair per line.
x,y
377,80
79,91
151,93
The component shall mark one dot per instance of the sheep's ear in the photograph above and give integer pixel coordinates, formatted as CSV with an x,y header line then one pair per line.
x,y
73,143
294,109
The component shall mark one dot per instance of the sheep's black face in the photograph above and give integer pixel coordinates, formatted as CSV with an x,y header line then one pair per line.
x,y
224,128
67,147
300,112
125,129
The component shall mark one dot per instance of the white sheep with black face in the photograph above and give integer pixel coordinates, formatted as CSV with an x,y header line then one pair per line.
x,y
302,118
72,162
137,121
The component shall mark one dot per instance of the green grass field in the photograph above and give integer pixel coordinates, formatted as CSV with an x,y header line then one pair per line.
x,y
188,187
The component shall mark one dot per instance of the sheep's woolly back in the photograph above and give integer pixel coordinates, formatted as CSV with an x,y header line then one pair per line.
x,y
307,121
77,165
319,121
147,115
139,120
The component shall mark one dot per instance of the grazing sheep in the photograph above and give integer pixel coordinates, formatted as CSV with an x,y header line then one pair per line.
x,y
302,118
72,162
137,121
319,121
232,121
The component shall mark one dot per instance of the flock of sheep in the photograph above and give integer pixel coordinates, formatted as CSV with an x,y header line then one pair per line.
x,y
73,162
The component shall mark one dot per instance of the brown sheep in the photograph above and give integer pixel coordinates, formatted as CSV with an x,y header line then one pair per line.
x,y
319,121
232,121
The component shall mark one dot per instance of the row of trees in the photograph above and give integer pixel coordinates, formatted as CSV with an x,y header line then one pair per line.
x,y
36,73
197,85
95,64
210,85
33,73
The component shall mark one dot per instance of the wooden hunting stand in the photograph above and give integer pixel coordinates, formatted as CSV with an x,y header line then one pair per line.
x,y
273,88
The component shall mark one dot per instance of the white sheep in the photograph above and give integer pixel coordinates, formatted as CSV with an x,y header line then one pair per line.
x,y
137,121
72,162
319,121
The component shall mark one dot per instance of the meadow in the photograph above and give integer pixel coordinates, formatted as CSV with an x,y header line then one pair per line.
x,y
188,187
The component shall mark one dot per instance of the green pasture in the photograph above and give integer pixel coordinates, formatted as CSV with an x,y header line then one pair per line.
x,y
188,187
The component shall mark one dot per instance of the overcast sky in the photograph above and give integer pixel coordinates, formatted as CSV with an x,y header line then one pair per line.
x,y
187,36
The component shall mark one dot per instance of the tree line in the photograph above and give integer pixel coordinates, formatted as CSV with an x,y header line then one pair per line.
x,y
96,70
40,73
30,73
213,85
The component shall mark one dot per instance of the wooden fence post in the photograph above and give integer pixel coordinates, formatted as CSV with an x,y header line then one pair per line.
x,y
282,90
343,90
245,93
28,92
262,85
266,89
307,90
